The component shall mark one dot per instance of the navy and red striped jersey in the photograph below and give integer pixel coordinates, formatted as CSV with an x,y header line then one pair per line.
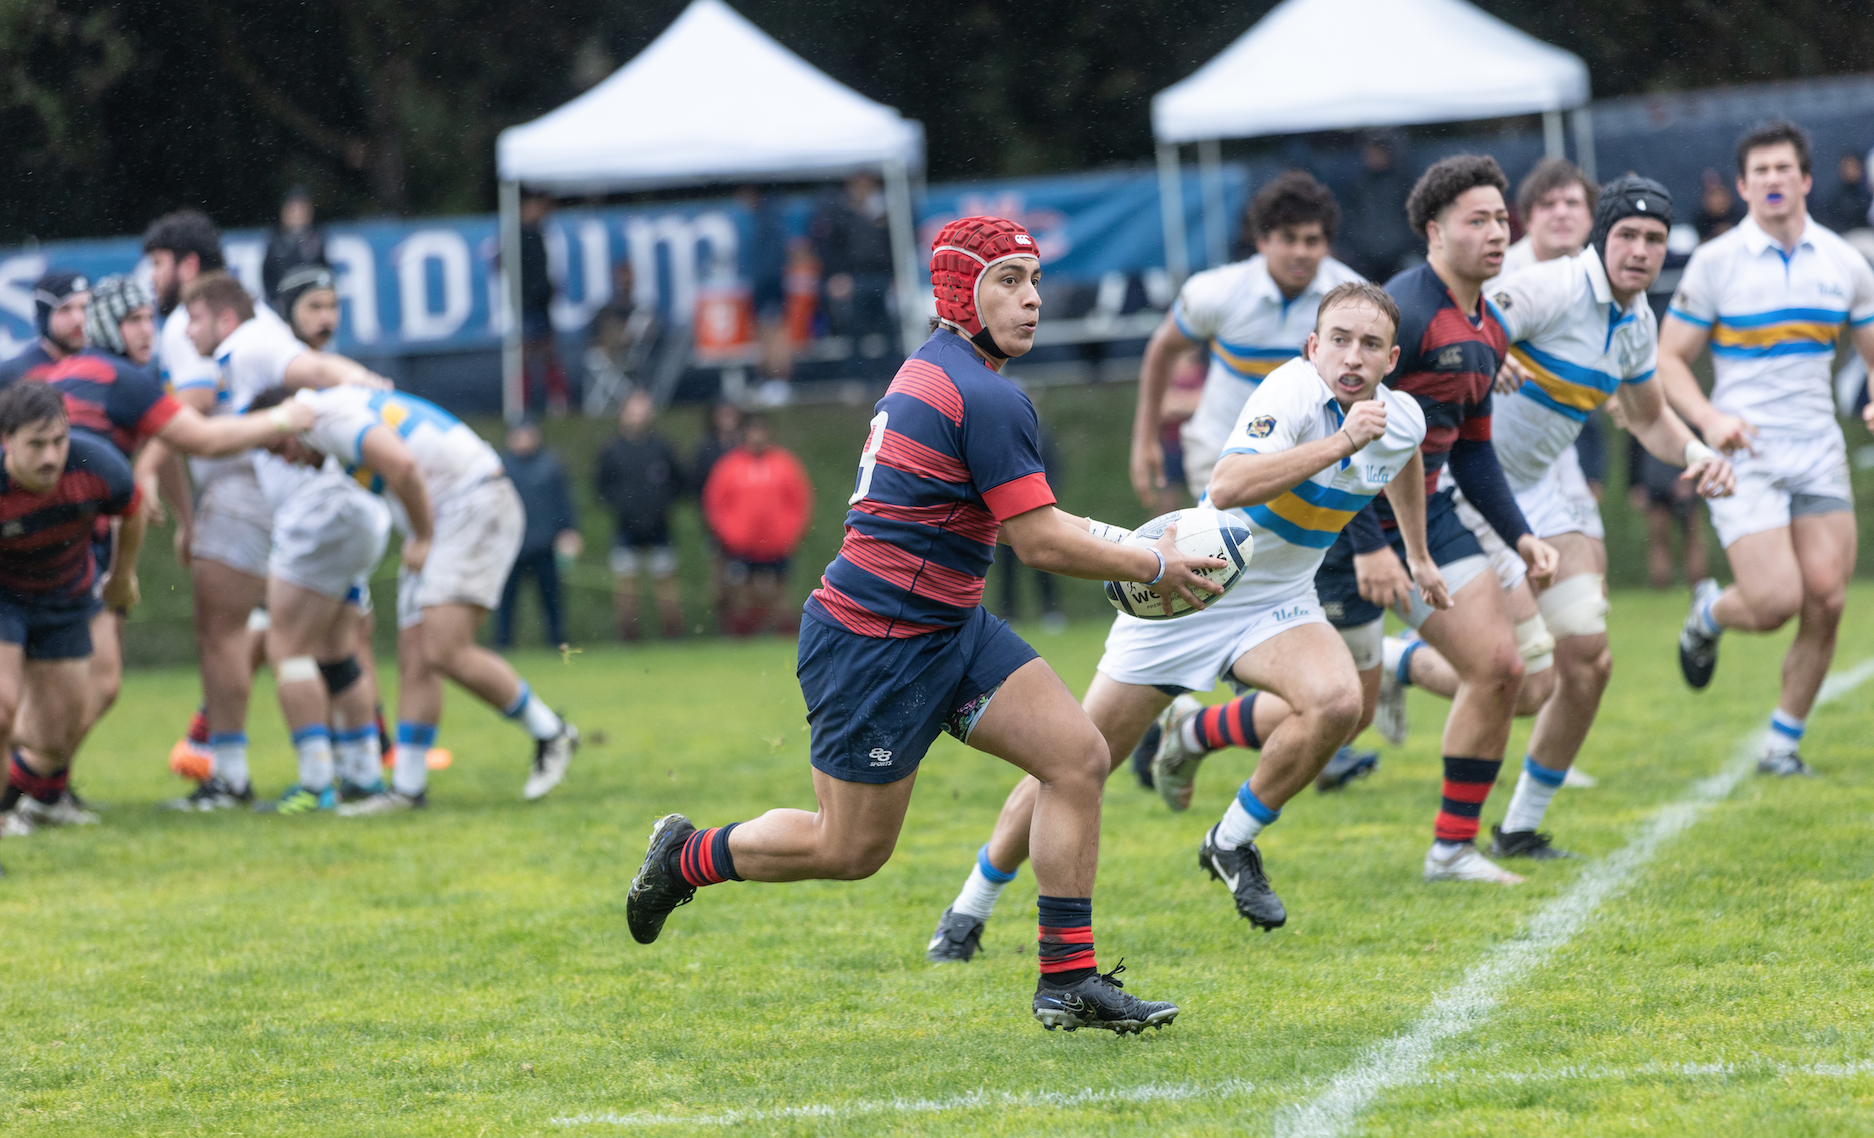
x,y
954,450
1447,361
110,396
45,539
32,363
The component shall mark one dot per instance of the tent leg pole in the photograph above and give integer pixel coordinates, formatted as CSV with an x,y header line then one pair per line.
x,y
1552,143
1171,209
904,254
1210,171
513,398
1584,142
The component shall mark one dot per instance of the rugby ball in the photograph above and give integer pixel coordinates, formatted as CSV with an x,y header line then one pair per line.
x,y
1202,532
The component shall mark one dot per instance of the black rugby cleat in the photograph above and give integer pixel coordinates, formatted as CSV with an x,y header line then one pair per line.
x,y
1240,870
957,938
1100,1001
1531,844
658,888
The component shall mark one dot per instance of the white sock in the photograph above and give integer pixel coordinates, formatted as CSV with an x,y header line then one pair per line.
x,y
1445,851
314,745
1707,620
1245,818
409,773
1785,733
980,891
359,760
1535,789
230,753
534,714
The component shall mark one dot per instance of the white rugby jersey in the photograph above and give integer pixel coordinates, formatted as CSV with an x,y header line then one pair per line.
x,y
181,366
1294,529
1564,326
1251,330
1774,318
252,359
450,456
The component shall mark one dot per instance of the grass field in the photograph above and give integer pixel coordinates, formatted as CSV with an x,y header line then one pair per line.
x,y
466,971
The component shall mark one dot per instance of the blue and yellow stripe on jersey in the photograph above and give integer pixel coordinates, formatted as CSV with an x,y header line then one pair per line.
x,y
1782,332
1565,388
1311,515
1248,361
403,414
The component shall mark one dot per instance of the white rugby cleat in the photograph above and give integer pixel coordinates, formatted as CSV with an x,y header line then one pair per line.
x,y
1174,767
1466,865
551,758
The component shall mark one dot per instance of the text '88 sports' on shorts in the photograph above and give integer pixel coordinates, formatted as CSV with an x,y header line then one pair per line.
x,y
875,704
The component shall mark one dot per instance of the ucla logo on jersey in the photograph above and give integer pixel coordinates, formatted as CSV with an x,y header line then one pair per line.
x,y
1260,427
1375,475
1829,288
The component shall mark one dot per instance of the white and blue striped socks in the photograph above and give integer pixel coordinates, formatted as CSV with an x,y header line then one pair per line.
x,y
985,884
1535,789
1785,733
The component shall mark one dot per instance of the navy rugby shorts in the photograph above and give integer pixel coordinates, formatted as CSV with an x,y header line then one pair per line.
x,y
875,705
47,632
1339,589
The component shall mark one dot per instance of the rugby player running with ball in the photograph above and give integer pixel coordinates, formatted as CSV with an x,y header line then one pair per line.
x,y
897,646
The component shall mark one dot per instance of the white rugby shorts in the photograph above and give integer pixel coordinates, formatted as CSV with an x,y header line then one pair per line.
x,y
1789,476
327,539
233,525
478,536
1193,651
1560,502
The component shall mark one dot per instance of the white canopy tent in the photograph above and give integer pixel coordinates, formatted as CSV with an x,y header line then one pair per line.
x,y
712,99
1343,64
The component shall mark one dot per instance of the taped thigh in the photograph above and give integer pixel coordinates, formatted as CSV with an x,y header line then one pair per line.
x,y
1365,641
1536,645
1575,607
297,669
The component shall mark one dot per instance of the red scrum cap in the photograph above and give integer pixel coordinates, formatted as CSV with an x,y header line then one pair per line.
x,y
962,253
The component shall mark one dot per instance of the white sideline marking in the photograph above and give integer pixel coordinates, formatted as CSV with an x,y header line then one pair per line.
x,y
1190,1092
1403,1058
974,1100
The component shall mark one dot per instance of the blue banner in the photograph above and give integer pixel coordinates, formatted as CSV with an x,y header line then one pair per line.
x,y
421,287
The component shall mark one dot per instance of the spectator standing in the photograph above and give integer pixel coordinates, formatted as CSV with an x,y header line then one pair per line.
x,y
852,235
1719,211
639,478
1377,240
1668,501
1845,206
758,502
540,357
294,242
767,281
552,531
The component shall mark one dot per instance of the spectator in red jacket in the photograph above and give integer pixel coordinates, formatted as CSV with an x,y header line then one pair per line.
x,y
757,502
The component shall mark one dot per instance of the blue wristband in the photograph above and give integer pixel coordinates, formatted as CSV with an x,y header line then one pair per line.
x,y
1161,567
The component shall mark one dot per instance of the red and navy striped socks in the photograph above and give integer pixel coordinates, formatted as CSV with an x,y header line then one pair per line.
x,y
1467,784
1231,724
704,858
1066,940
22,780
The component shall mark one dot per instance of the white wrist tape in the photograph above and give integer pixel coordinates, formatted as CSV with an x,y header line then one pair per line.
x,y
1105,532
1696,451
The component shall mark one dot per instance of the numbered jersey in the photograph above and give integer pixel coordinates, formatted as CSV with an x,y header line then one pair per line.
x,y
953,451
450,456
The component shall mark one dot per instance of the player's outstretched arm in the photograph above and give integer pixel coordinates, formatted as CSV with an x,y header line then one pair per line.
x,y
191,432
385,453
1054,541
1680,342
1668,439
1148,454
1250,479
322,369
1406,494
120,588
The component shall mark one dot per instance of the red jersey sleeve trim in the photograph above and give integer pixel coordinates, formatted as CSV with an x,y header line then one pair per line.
x,y
136,501
158,416
1475,429
1029,492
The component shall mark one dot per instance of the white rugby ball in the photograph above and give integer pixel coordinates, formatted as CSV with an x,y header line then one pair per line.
x,y
1202,532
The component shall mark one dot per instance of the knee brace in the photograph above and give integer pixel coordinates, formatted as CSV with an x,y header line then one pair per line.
x,y
296,669
1536,645
1575,607
1365,642
340,675
259,620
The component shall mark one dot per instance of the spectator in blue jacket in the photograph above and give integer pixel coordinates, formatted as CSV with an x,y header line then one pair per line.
x,y
552,531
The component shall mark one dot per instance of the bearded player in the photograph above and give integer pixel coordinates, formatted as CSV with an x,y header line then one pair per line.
x,y
896,645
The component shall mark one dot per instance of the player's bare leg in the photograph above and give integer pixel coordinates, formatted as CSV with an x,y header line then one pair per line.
x,y
223,599
1429,670
1477,637
305,629
1583,665
44,704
